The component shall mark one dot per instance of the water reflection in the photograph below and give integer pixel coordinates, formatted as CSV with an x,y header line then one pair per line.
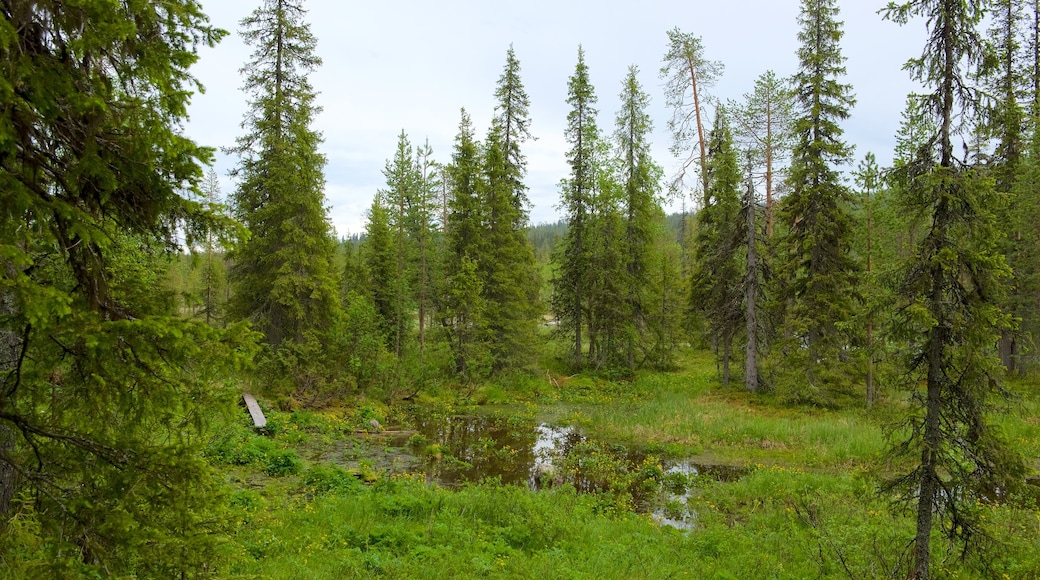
x,y
516,451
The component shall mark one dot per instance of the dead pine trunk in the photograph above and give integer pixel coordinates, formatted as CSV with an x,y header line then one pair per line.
x,y
750,297
692,66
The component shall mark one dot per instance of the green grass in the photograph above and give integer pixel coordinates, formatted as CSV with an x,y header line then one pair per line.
x,y
808,508
688,414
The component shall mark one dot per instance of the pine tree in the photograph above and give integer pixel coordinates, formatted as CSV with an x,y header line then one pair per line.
x,y
818,272
103,388
283,276
688,74
762,123
950,291
570,284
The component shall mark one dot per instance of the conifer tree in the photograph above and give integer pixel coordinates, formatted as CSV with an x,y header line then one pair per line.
x,y
762,123
639,178
463,311
868,180
214,271
688,74
950,291
426,237
754,281
608,316
283,276
508,267
818,272
716,288
103,388
380,259
399,195
570,284
1006,122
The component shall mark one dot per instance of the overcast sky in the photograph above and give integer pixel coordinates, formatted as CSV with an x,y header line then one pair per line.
x,y
391,65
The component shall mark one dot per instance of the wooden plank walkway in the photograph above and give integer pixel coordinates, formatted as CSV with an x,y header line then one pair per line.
x,y
259,421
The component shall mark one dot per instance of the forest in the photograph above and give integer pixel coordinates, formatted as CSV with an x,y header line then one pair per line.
x,y
825,368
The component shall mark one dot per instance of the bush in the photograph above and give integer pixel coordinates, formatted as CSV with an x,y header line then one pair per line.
x,y
282,462
322,479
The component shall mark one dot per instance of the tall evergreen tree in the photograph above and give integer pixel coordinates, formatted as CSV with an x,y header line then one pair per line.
x,y
868,180
513,121
103,388
380,260
608,315
508,267
818,272
755,269
463,310
283,276
688,75
214,271
717,281
950,290
1006,123
427,238
570,284
399,195
640,180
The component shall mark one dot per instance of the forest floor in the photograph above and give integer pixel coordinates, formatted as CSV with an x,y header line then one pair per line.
x,y
668,475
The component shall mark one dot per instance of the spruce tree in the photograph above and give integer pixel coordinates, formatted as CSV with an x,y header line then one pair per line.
x,y
1005,121
104,390
426,236
869,180
716,285
608,285
283,275
570,283
380,260
950,291
398,197
213,276
639,178
511,280
463,311
818,274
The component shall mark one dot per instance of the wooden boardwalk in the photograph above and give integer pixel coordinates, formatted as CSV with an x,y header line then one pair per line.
x,y
259,421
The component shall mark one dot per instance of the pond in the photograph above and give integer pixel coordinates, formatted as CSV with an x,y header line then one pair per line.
x,y
514,450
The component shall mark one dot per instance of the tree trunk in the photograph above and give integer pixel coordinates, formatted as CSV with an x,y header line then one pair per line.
x,y
727,349
870,364
929,469
10,347
750,297
700,126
